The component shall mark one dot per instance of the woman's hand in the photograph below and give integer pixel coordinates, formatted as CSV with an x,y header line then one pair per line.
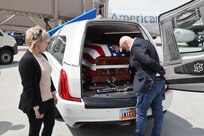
x,y
38,115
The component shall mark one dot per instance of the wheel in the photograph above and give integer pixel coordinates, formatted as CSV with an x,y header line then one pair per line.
x,y
6,57
193,43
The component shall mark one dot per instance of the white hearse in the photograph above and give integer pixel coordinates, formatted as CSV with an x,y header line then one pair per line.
x,y
91,75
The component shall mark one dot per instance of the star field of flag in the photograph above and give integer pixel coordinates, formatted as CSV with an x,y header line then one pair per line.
x,y
115,52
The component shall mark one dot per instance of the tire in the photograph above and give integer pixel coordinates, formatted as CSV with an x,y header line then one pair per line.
x,y
6,57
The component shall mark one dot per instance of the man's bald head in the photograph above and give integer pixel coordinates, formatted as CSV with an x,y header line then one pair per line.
x,y
125,42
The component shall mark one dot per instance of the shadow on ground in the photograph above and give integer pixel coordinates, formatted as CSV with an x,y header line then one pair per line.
x,y
6,126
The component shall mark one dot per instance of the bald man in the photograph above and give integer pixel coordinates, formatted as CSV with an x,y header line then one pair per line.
x,y
148,82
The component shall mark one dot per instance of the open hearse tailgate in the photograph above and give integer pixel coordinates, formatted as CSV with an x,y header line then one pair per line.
x,y
184,61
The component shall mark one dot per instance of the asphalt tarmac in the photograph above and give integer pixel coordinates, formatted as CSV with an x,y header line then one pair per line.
x,y
184,117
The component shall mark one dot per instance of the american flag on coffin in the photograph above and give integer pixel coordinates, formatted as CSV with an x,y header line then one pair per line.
x,y
102,56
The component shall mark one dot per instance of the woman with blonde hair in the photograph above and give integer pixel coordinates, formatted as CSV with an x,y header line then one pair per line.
x,y
38,98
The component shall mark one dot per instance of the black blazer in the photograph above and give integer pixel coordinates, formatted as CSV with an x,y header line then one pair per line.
x,y
30,73
145,60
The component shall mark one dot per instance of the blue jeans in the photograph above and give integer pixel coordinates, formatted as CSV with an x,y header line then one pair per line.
x,y
146,99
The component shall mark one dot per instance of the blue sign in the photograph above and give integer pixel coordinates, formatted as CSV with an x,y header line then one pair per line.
x,y
88,15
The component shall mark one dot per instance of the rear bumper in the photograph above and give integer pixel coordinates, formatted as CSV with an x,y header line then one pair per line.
x,y
119,123
75,114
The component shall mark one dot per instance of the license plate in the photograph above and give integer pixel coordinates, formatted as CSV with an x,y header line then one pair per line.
x,y
127,114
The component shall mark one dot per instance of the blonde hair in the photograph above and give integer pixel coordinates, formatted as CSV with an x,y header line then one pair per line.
x,y
35,35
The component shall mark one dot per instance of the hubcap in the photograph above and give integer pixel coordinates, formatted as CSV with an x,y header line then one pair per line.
x,y
6,57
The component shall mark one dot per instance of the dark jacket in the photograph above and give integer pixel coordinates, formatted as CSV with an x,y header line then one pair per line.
x,y
145,60
30,73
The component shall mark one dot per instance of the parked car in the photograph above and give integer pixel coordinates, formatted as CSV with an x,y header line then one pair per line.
x,y
18,36
91,77
8,48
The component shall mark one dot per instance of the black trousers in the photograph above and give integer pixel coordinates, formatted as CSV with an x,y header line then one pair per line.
x,y
48,120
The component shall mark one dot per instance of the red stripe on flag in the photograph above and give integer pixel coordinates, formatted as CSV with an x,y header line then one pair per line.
x,y
89,58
